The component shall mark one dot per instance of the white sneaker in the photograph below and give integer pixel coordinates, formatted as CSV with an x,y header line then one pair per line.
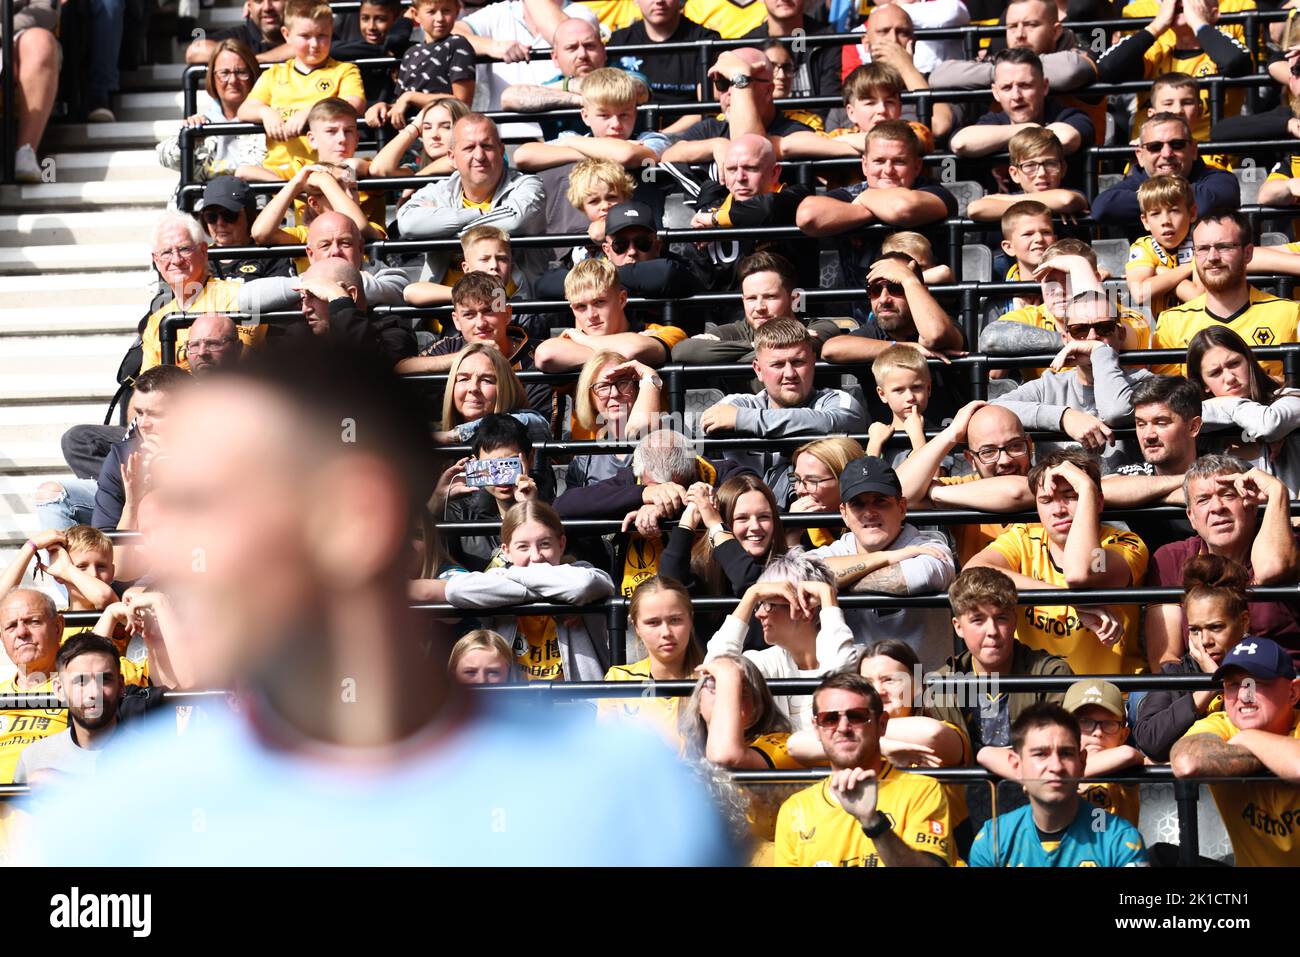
x,y
101,114
27,169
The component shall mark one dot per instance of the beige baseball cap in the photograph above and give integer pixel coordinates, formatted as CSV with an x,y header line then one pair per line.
x,y
1093,691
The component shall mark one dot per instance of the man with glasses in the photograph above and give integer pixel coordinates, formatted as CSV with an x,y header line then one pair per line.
x,y
742,79
816,69
227,211
1056,828
1222,247
1092,398
180,254
1166,147
213,344
867,813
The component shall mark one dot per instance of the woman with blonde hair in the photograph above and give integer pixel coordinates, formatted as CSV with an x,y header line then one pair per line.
x,y
661,618
616,399
481,382
428,136
815,476
481,657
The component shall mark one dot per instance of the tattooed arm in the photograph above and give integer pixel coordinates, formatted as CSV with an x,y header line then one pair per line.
x,y
1208,755
1006,337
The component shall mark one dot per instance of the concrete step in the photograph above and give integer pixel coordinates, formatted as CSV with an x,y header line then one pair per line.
x,y
71,321
88,229
99,135
152,193
35,292
156,76
64,258
155,105
104,166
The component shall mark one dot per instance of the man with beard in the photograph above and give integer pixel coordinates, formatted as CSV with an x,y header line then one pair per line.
x,y
867,813
902,312
89,679
1224,496
1167,148
1222,247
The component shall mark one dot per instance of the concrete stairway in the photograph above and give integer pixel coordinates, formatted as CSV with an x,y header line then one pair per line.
x,y
75,277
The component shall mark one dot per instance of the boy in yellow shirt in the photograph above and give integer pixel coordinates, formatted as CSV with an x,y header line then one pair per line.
x,y
285,93
1160,265
325,187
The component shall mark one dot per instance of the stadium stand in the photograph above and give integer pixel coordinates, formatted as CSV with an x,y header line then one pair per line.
x,y
1042,423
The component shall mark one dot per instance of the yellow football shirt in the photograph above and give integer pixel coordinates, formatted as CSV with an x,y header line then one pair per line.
x,y
25,726
730,18
971,539
613,14
1122,800
812,830
288,89
1260,817
1057,628
218,295
537,649
658,712
1265,320
1148,253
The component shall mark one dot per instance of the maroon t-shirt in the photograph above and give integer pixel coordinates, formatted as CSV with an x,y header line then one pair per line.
x,y
1279,620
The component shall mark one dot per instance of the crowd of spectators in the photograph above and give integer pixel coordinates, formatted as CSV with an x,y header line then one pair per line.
x,y
865,450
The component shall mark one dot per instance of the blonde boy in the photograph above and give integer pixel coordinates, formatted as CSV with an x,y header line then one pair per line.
x,y
1037,167
595,187
598,301
609,100
483,249
1027,232
1160,267
285,93
918,247
80,559
903,383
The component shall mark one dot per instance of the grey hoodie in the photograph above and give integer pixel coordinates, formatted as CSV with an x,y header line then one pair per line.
x,y
583,645
1262,426
1041,403
437,211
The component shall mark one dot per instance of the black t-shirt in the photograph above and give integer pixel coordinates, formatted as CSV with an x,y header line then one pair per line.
x,y
249,32
347,30
1156,532
250,269
1054,111
673,77
817,69
712,128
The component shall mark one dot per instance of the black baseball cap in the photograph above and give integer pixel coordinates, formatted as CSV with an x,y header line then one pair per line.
x,y
1260,657
868,474
228,193
629,214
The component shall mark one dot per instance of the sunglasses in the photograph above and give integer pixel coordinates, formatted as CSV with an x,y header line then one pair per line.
x,y
876,288
1158,146
643,244
722,84
1295,68
225,215
831,719
1080,330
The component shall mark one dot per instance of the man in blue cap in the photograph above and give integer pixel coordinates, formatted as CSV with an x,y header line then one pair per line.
x,y
1256,732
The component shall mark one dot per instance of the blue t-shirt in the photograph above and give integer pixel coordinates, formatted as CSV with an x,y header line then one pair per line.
x,y
1095,838
516,785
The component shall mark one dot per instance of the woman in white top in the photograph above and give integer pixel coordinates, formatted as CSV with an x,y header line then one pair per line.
x,y
1256,417
796,604
232,71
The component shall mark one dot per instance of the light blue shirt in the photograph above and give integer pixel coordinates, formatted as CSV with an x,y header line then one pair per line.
x,y
520,786
1095,838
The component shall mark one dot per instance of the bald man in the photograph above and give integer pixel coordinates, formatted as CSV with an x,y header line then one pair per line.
x,y
333,303
576,51
213,344
750,194
1000,453
742,79
30,629
896,24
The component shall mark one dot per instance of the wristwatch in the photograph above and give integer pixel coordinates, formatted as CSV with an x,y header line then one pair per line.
x,y
651,379
740,81
714,532
877,827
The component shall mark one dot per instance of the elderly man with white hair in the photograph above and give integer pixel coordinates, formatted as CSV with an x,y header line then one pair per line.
x,y
649,492
180,254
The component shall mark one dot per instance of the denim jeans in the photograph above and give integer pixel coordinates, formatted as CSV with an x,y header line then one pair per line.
x,y
74,507
105,40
